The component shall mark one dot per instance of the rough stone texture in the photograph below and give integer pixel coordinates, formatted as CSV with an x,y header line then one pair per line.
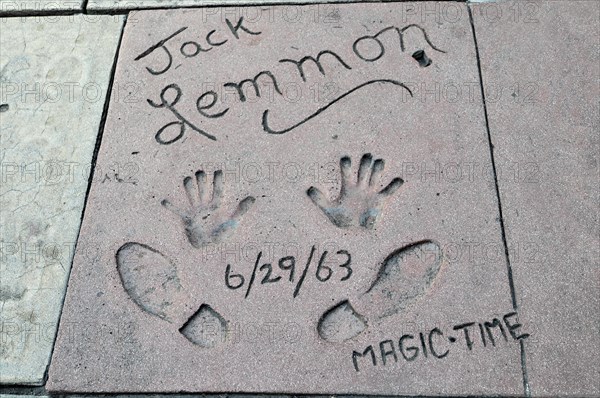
x,y
415,246
38,6
541,79
54,75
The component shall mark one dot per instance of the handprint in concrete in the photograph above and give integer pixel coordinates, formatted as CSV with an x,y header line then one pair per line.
x,y
206,220
359,203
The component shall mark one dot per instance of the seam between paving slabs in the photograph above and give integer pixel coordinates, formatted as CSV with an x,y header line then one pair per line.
x,y
511,284
223,3
40,13
124,11
41,392
91,177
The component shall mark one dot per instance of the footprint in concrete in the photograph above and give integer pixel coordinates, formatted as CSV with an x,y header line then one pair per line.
x,y
204,219
404,276
341,323
359,202
205,328
151,280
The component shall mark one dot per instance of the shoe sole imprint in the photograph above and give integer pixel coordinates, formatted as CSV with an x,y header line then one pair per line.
x,y
404,276
151,281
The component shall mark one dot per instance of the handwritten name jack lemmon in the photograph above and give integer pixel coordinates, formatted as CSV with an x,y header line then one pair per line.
x,y
368,48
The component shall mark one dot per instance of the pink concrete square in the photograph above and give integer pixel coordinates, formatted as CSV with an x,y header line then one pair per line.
x,y
293,204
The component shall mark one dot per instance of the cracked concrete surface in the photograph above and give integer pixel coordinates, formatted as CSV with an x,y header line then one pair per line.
x,y
53,94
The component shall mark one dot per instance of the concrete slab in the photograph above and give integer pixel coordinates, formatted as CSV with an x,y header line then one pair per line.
x,y
329,228
53,81
540,63
38,7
